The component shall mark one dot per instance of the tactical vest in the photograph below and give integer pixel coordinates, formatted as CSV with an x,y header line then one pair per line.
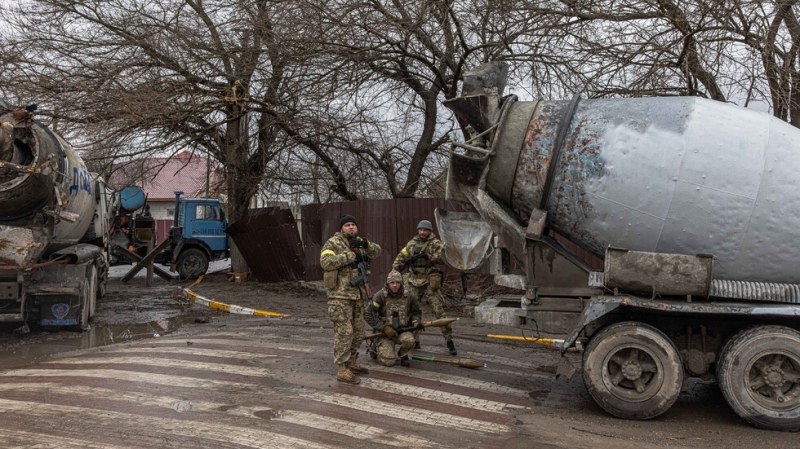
x,y
399,304
421,263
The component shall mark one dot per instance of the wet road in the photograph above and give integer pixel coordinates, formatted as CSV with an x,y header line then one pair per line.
x,y
243,382
242,388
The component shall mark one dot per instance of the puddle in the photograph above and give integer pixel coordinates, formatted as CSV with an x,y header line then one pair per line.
x,y
26,349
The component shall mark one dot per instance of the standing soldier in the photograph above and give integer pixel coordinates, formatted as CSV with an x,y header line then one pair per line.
x,y
345,258
391,309
424,279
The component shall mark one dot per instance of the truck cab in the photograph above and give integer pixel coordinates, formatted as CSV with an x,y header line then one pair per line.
x,y
197,235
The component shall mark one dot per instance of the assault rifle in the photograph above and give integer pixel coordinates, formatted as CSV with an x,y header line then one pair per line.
x,y
362,278
418,254
441,322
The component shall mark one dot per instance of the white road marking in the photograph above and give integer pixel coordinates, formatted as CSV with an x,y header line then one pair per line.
x,y
352,429
437,395
147,378
232,342
454,380
19,439
408,413
173,363
239,355
313,420
245,436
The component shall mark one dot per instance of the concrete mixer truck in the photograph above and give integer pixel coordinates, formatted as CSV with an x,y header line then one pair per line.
x,y
658,236
54,219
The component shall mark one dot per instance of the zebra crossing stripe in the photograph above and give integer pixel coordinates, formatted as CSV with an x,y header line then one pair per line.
x,y
249,344
460,381
13,439
437,396
245,436
228,354
131,376
170,363
405,412
301,418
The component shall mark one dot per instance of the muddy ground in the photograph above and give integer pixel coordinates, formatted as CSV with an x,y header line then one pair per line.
x,y
564,415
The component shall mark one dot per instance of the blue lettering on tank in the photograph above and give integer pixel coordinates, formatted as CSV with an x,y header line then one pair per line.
x,y
81,180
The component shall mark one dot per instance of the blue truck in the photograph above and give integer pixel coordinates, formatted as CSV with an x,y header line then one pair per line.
x,y
197,235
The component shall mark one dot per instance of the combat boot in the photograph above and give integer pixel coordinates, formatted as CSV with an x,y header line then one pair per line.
x,y
404,360
353,365
451,347
347,376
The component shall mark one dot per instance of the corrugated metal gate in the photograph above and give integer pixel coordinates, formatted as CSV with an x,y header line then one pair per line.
x,y
269,242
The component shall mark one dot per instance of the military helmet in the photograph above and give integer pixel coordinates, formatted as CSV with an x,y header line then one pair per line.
x,y
394,276
425,224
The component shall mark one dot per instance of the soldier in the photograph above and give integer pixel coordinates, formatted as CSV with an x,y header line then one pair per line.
x,y
346,290
390,309
420,255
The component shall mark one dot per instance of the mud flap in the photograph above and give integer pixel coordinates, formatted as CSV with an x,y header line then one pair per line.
x,y
566,368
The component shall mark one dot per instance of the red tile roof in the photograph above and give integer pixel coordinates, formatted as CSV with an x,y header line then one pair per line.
x,y
159,178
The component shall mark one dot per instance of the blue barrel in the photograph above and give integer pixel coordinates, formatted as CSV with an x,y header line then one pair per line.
x,y
131,198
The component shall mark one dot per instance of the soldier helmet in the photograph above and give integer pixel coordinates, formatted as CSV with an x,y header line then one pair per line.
x,y
425,224
394,276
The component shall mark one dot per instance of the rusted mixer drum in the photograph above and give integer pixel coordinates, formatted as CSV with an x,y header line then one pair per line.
x,y
679,175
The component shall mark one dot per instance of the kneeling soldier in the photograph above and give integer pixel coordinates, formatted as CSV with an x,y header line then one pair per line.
x,y
393,308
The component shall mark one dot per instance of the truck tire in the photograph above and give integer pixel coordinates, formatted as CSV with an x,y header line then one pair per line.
x,y
759,375
192,263
632,370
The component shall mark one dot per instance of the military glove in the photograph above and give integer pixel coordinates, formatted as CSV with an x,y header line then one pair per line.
x,y
389,331
358,242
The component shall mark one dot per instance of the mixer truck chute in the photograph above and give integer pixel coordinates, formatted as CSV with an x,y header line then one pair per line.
x,y
659,235
54,221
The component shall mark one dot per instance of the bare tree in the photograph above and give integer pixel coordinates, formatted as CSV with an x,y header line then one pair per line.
x,y
157,77
410,55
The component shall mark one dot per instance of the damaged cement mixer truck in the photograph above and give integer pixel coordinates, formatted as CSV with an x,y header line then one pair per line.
x,y
54,219
659,236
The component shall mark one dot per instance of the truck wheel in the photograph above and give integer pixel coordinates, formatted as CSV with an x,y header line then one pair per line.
x,y
192,263
759,375
632,370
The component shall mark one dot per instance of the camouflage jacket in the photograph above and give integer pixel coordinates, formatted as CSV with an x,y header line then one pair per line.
x,y
337,256
378,312
421,267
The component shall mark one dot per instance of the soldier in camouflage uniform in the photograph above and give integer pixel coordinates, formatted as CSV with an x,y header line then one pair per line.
x,y
420,256
339,259
390,309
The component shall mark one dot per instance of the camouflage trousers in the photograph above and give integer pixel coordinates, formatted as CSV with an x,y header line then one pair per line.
x,y
434,297
386,348
348,327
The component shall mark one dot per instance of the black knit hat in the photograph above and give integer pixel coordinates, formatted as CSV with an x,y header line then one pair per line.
x,y
347,219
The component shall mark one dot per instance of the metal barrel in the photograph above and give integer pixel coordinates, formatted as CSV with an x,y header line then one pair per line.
x,y
681,175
